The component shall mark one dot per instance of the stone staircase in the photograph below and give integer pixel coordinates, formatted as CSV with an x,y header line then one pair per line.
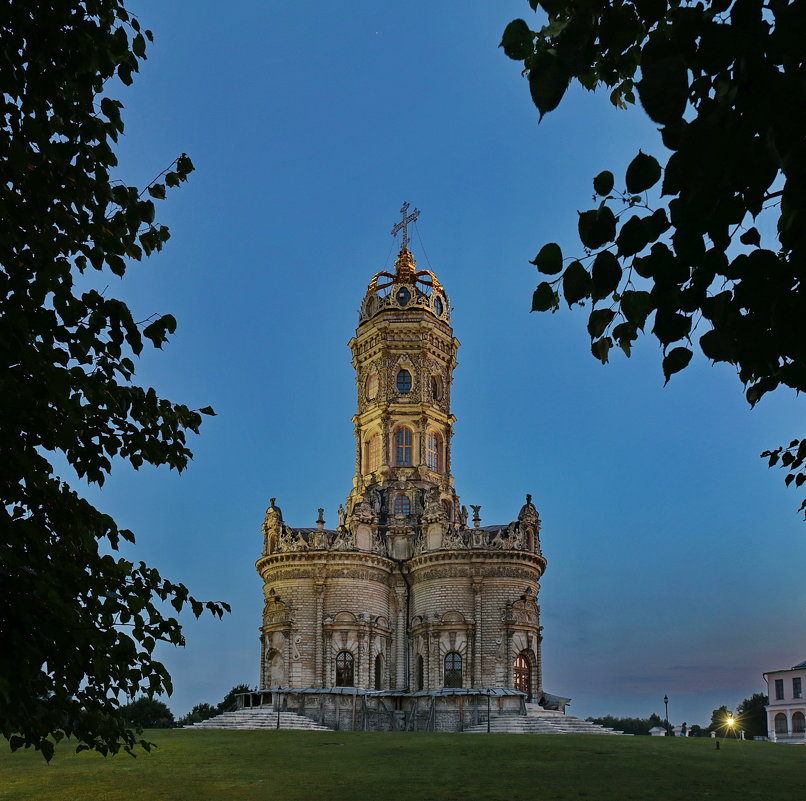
x,y
541,724
258,718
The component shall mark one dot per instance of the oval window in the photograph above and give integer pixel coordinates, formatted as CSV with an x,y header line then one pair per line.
x,y
404,382
403,296
439,306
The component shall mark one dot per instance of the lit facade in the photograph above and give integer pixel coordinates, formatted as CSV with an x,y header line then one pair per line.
x,y
409,598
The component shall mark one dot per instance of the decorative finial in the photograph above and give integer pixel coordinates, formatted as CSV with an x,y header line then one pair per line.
x,y
476,518
320,521
403,225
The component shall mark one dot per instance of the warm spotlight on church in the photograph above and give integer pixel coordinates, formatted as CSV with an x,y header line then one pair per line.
x,y
409,614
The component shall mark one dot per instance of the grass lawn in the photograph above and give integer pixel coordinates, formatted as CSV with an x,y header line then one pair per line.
x,y
247,765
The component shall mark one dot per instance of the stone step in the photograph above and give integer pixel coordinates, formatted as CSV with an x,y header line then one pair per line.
x,y
541,724
259,719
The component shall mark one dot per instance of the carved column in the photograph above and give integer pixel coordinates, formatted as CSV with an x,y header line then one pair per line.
x,y
359,679
400,636
386,426
319,678
371,662
448,438
477,679
421,431
510,657
359,452
328,678
434,678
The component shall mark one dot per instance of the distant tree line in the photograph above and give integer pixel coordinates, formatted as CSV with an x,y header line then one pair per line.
x,y
750,717
149,713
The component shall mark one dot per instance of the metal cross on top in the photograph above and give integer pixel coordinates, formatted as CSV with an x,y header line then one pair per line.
x,y
403,225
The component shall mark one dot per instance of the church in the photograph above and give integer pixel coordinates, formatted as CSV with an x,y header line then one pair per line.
x,y
409,613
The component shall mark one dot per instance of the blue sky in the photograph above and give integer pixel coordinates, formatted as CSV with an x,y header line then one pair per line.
x,y
675,556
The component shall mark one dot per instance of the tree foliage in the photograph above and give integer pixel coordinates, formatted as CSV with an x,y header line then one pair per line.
x,y
710,247
147,713
78,624
752,715
629,725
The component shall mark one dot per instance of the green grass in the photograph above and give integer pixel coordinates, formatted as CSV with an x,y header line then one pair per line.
x,y
255,765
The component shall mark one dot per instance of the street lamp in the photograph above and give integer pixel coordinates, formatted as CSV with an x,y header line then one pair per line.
x,y
666,704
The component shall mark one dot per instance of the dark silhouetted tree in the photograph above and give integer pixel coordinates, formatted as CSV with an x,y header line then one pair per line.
x,y
710,246
78,624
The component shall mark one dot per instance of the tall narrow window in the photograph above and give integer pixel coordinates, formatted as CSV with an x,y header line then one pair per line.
x,y
378,672
404,382
522,675
403,447
344,669
433,446
402,505
453,670
779,689
373,453
797,687
420,673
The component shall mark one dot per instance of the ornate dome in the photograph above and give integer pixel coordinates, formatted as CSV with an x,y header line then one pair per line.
x,y
406,288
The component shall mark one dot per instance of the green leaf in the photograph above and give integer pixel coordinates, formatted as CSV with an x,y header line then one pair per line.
x,y
643,173
576,283
597,227
751,237
663,88
544,298
675,361
636,306
549,260
601,348
632,237
518,40
603,183
598,321
606,274
548,81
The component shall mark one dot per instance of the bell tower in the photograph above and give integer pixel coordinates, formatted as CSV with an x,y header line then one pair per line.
x,y
404,354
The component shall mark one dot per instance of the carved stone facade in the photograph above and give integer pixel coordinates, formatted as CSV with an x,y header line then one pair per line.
x,y
405,596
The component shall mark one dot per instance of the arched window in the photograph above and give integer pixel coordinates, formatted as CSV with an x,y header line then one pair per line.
x,y
404,382
433,448
403,447
378,672
522,674
780,723
453,670
344,669
798,723
402,505
373,453
420,674
436,388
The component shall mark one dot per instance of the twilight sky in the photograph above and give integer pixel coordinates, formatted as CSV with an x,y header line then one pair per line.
x,y
675,557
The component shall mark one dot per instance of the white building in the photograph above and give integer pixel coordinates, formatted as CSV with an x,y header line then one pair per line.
x,y
786,711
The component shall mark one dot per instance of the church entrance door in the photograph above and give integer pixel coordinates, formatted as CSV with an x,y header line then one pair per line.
x,y
522,674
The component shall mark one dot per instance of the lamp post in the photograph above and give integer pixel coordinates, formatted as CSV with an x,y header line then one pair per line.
x,y
666,704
